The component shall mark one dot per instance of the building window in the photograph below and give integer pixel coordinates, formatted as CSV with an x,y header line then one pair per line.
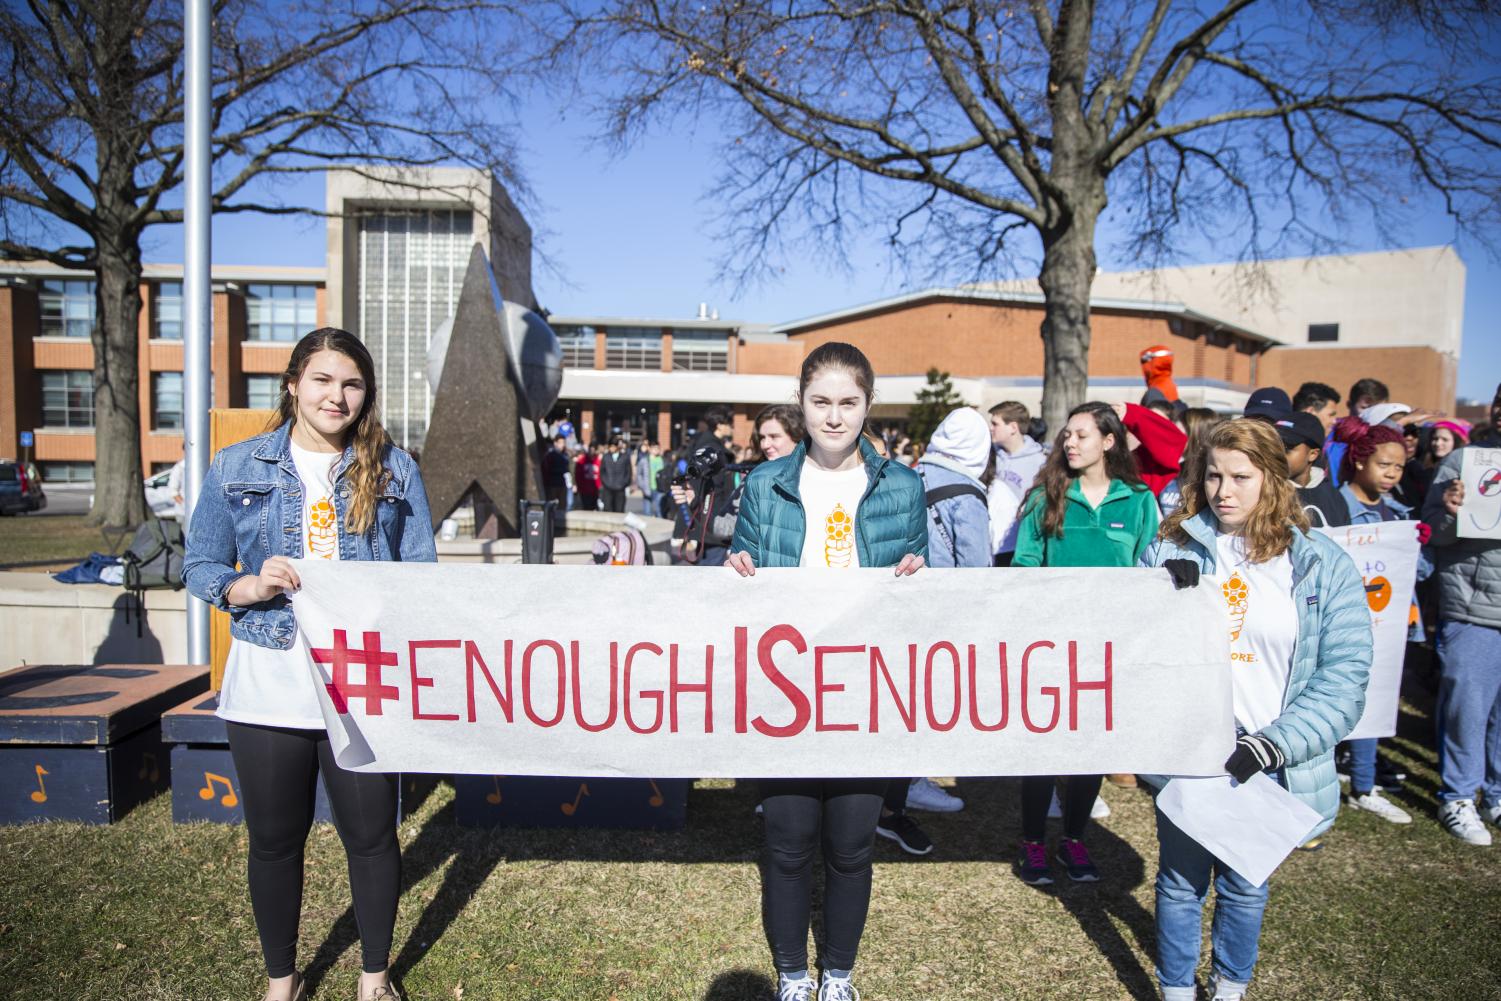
x,y
67,472
68,399
280,312
166,401
636,348
700,351
67,307
577,344
1323,332
262,392
166,319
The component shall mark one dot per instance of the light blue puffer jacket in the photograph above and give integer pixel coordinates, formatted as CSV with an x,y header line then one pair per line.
x,y
1331,660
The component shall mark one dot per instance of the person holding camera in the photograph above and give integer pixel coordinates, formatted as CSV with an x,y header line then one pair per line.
x,y
834,501
705,491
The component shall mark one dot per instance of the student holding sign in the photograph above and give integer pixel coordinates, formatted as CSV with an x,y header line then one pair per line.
x,y
833,503
325,483
1090,508
1300,657
1371,468
1469,641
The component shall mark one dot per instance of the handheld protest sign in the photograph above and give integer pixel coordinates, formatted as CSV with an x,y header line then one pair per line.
x,y
1480,514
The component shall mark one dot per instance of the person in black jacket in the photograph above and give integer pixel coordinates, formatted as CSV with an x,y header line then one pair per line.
x,y
615,476
1303,436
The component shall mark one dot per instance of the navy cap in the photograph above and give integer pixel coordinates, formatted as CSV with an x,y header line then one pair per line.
x,y
1269,402
1301,428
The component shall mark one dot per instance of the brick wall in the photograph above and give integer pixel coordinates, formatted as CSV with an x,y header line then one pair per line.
x,y
1419,377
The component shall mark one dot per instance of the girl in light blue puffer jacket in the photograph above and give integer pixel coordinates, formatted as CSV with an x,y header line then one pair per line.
x,y
1301,656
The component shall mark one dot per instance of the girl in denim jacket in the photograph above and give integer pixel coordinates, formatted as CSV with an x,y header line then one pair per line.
x,y
326,483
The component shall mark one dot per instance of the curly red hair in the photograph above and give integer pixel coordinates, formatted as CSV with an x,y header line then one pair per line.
x,y
1361,441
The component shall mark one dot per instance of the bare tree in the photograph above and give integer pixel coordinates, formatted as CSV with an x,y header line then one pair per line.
x,y
91,139
982,132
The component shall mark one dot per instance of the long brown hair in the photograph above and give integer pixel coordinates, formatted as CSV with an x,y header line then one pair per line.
x,y
1055,477
368,472
1269,529
1200,422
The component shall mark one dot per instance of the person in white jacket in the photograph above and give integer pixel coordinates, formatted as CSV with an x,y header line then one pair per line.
x,y
1017,460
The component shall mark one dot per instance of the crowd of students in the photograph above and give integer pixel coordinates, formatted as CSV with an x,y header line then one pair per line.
x,y
1216,502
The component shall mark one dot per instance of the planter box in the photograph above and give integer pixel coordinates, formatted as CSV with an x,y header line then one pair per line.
x,y
84,743
537,801
205,786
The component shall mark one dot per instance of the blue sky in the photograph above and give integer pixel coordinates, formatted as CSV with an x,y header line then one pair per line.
x,y
633,234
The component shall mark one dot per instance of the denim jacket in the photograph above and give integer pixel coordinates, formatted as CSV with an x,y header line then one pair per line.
x,y
250,509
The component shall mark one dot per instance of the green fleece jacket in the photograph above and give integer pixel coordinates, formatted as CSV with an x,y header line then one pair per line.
x,y
1115,534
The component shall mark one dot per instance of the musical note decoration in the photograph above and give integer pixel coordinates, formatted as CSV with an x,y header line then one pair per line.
x,y
39,794
657,799
569,809
149,767
229,799
493,798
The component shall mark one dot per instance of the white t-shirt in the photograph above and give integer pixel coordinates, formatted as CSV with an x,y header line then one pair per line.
x,y
830,503
275,687
1263,629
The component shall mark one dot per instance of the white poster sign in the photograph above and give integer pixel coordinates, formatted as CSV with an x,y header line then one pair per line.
x,y
1250,826
675,672
1386,554
1480,514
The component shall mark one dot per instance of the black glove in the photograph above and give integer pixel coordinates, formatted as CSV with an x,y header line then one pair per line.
x,y
1185,573
1253,753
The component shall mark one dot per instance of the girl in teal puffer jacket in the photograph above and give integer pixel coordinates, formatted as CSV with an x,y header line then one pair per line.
x,y
835,503
1300,657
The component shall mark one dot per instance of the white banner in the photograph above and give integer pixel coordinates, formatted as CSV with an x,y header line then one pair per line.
x,y
677,672
1480,514
1386,555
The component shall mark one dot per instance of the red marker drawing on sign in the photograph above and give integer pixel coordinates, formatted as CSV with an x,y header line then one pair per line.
x,y
1490,483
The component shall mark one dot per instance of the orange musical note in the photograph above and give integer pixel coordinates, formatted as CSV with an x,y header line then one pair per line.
x,y
569,809
207,792
493,798
656,794
148,767
39,795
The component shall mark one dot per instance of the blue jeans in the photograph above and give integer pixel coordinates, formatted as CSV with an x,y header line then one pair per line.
x,y
1362,765
1469,711
1183,871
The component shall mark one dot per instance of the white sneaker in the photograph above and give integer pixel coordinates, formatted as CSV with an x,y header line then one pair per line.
x,y
1099,811
1225,990
837,989
1460,819
1374,802
802,989
925,794
1492,813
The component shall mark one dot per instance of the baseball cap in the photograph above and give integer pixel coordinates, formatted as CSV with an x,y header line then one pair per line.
x,y
1301,428
1268,402
1380,412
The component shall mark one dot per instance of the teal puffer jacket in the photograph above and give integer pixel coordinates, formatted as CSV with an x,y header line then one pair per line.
x,y
1331,659
889,523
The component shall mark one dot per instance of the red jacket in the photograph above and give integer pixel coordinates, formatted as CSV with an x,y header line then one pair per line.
x,y
1161,448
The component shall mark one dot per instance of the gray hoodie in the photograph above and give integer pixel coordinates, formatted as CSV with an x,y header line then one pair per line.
x,y
1014,476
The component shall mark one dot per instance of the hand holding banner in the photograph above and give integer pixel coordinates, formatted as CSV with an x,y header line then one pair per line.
x,y
1480,514
562,670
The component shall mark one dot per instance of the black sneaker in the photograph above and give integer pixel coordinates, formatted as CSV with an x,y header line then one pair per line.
x,y
1076,861
1032,864
900,828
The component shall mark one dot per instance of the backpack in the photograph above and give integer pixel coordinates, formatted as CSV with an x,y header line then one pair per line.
x,y
624,548
937,495
153,561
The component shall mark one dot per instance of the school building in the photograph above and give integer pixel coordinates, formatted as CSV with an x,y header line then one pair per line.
x,y
394,267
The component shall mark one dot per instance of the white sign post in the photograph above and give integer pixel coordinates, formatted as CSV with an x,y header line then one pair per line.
x,y
1480,514
671,672
1386,554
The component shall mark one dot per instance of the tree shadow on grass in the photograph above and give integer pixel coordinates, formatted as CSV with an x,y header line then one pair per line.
x,y
741,985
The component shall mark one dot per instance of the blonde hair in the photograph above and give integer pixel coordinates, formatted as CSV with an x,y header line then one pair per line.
x,y
1278,513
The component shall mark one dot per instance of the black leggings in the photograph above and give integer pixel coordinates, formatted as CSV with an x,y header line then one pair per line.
x,y
1079,792
799,813
278,771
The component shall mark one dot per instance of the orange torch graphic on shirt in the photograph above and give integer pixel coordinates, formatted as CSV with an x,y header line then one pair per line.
x,y
322,533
